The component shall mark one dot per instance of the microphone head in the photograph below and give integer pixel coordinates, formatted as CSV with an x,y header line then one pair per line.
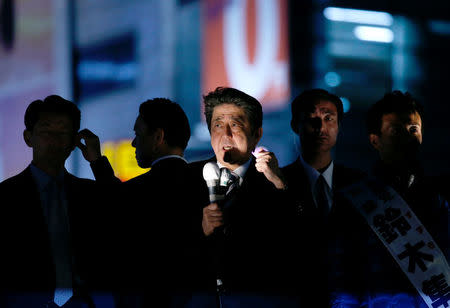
x,y
211,175
211,171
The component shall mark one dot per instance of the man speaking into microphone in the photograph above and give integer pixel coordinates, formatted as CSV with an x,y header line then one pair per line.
x,y
249,223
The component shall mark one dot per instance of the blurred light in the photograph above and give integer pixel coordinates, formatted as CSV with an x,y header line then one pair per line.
x,y
345,104
358,16
201,132
439,27
106,70
374,34
332,79
121,156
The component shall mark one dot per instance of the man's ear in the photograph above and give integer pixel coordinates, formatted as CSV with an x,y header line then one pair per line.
x,y
75,140
258,134
27,137
374,141
159,136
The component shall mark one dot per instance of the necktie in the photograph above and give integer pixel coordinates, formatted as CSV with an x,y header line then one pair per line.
x,y
229,179
230,182
58,224
321,196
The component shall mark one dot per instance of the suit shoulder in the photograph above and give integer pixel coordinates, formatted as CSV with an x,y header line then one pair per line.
x,y
9,181
196,167
345,175
15,179
80,181
293,170
344,168
137,179
198,163
290,166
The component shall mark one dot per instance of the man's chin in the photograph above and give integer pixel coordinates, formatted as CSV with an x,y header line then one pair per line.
x,y
57,158
318,148
232,157
143,164
235,158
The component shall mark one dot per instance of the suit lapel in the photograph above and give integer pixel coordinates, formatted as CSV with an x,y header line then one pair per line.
x,y
32,206
35,225
302,190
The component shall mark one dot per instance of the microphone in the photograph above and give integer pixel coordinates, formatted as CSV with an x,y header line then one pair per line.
x,y
211,175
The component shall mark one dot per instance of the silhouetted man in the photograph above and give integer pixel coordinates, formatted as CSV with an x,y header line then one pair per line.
x,y
313,181
45,229
150,212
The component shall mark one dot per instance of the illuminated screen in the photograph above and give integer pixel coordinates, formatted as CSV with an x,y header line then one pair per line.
x,y
32,64
245,46
106,66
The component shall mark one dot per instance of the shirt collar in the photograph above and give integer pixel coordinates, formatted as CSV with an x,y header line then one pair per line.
x,y
241,170
313,174
42,179
168,156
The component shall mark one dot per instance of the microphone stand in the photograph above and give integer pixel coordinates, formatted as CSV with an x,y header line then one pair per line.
x,y
220,236
218,260
218,181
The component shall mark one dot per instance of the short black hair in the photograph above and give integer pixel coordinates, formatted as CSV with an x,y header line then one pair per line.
x,y
305,102
53,104
170,117
392,102
224,95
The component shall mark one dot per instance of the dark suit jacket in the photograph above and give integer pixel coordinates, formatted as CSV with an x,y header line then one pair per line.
x,y
26,261
149,226
359,269
249,252
332,262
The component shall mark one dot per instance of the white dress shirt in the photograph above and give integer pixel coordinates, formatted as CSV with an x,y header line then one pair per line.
x,y
241,170
312,175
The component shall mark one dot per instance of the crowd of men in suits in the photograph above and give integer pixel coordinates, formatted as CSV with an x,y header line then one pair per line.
x,y
251,234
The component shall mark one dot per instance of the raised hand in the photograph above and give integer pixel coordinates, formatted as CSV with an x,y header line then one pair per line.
x,y
91,147
267,163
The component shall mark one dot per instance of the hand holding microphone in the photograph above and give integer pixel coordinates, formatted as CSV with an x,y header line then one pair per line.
x,y
267,163
212,214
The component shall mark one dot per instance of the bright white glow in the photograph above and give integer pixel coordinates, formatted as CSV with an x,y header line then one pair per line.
x,y
201,132
107,71
358,16
374,34
332,79
211,171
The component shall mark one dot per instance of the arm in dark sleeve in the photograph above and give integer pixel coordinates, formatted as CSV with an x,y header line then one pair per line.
x,y
103,172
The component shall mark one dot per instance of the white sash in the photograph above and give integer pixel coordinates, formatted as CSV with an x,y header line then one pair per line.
x,y
405,237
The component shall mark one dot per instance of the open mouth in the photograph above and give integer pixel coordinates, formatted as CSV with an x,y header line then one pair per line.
x,y
227,147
